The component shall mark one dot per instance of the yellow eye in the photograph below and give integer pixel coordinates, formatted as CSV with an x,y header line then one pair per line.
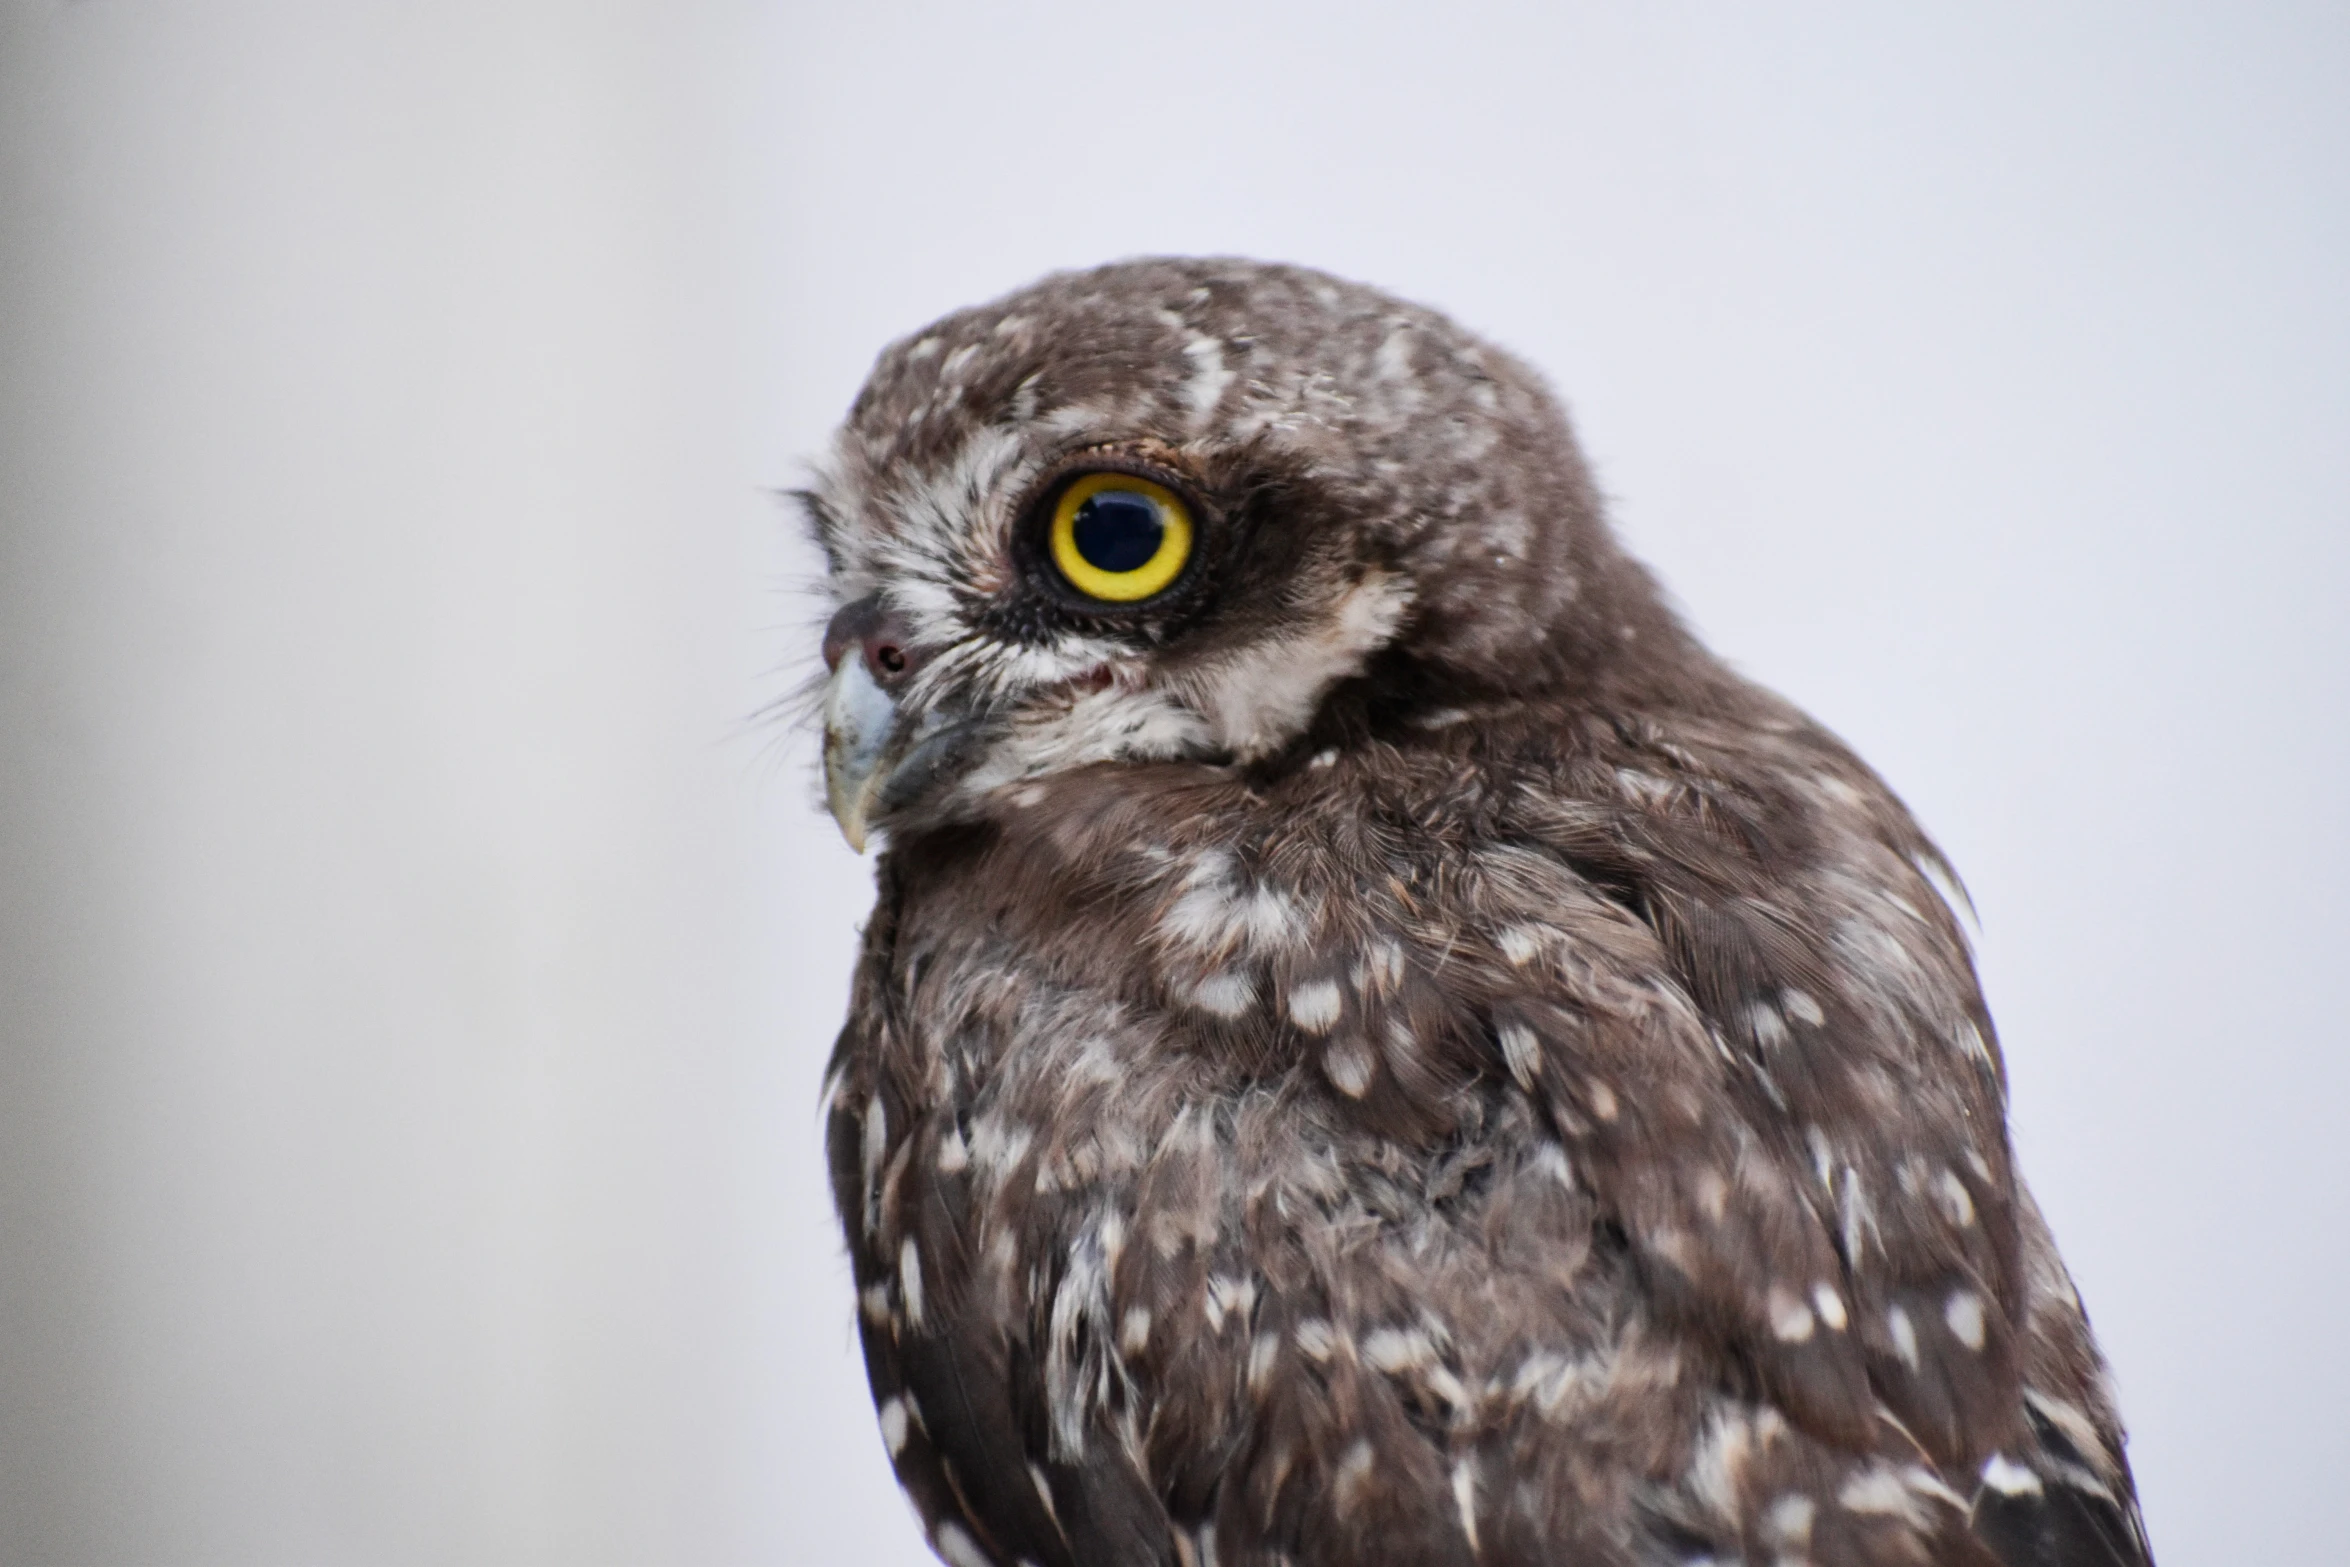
x,y
1119,538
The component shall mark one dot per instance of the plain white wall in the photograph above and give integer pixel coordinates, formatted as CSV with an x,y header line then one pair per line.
x,y
416,965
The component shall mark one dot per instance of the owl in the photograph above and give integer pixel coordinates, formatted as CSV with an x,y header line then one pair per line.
x,y
1373,1046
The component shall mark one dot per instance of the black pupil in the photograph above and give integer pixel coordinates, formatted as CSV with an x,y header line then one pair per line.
x,y
1117,530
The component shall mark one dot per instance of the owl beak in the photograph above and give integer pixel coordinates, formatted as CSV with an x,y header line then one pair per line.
x,y
860,726
881,753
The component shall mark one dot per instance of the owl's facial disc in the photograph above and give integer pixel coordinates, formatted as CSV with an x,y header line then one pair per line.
x,y
1159,512
1127,603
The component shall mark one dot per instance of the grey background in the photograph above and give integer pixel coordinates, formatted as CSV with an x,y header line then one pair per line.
x,y
416,966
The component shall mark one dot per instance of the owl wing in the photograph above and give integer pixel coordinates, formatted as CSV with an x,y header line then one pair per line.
x,y
1802,1126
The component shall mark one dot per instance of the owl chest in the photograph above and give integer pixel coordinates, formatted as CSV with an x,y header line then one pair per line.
x,y
1050,1166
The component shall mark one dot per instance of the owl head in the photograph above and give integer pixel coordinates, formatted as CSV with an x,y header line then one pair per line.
x,y
1166,510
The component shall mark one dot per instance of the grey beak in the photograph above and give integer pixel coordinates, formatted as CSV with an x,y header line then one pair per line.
x,y
860,721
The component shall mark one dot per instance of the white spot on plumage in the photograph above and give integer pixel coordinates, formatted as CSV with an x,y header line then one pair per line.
x,y
893,1425
1713,1194
1830,1306
910,1281
1464,1497
1380,969
1647,788
1227,995
1963,1313
1823,1157
875,1148
1349,1065
1354,1468
1228,1297
998,1146
2009,1478
1215,915
1398,1349
1668,1245
1538,1372
1791,1320
1202,918
1113,1237
957,1548
1856,1215
1211,867
1393,362
873,1301
1440,1381
2068,1417
1717,1470
1209,378
1904,1334
1044,1494
1788,1520
1400,1038
1521,944
1956,1202
1603,1100
1261,1356
1314,1006
1078,1369
1800,1005
954,1155
1519,1048
1945,886
1134,1330
1881,1491
1836,789
1874,1491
